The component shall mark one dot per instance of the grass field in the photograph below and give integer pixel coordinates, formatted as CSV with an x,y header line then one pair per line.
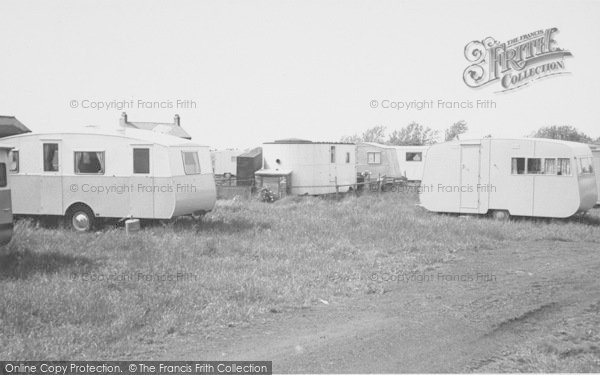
x,y
65,295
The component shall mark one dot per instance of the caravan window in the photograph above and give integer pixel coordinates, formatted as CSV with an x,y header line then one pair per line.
x,y
414,156
141,160
549,166
50,157
89,162
563,167
534,166
374,157
518,166
332,154
191,164
14,161
3,180
585,166
347,157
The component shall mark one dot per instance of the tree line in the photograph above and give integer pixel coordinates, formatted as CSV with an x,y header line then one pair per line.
x,y
415,134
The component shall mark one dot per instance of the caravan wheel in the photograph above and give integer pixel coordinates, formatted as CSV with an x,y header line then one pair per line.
x,y
80,218
500,215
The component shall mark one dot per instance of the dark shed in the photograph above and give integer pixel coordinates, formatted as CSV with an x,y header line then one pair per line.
x,y
248,163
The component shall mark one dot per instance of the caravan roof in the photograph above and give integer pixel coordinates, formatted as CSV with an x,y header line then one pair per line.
x,y
574,145
137,134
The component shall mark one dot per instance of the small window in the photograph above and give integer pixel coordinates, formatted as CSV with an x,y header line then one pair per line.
x,y
14,161
347,158
332,154
50,157
563,167
373,157
518,166
141,160
414,156
234,159
585,166
191,165
89,162
549,166
534,166
3,179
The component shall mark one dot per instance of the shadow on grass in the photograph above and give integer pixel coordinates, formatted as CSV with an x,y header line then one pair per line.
x,y
21,265
231,226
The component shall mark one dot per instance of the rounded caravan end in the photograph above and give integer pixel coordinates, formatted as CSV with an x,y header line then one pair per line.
x,y
133,174
523,177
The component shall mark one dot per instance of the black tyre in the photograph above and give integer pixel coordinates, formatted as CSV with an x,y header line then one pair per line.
x,y
500,215
80,218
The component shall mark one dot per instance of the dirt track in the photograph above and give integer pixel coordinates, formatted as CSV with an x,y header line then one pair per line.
x,y
436,326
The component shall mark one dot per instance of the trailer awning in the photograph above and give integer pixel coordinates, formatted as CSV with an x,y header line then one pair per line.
x,y
9,125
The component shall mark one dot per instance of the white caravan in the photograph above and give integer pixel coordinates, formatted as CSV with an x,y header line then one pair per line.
x,y
6,217
224,162
411,160
596,154
391,161
521,177
316,167
95,173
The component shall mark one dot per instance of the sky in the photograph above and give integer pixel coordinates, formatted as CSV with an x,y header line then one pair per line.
x,y
240,73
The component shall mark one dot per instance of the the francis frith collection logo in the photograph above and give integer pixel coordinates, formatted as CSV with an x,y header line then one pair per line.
x,y
515,63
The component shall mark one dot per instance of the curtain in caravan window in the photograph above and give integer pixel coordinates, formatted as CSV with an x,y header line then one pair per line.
x,y
549,166
89,162
191,164
50,157
564,167
414,156
534,166
14,161
518,166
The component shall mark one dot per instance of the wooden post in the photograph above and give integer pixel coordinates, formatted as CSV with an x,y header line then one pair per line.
x,y
337,188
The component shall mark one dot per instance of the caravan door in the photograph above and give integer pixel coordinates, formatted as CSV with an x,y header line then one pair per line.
x,y
53,167
143,188
470,165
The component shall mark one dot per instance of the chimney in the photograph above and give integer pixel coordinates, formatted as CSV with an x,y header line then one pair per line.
x,y
123,120
177,120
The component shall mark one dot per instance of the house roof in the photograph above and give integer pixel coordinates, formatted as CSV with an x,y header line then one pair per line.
x,y
162,128
297,141
9,125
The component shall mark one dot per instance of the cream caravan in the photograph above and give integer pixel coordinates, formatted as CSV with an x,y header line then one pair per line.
x,y
522,177
315,167
390,161
596,154
411,160
6,218
94,173
224,162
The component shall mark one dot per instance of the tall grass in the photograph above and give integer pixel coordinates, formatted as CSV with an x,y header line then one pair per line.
x,y
242,260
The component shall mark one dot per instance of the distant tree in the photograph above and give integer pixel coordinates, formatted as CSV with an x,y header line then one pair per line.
x,y
563,132
454,131
375,134
413,134
351,138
